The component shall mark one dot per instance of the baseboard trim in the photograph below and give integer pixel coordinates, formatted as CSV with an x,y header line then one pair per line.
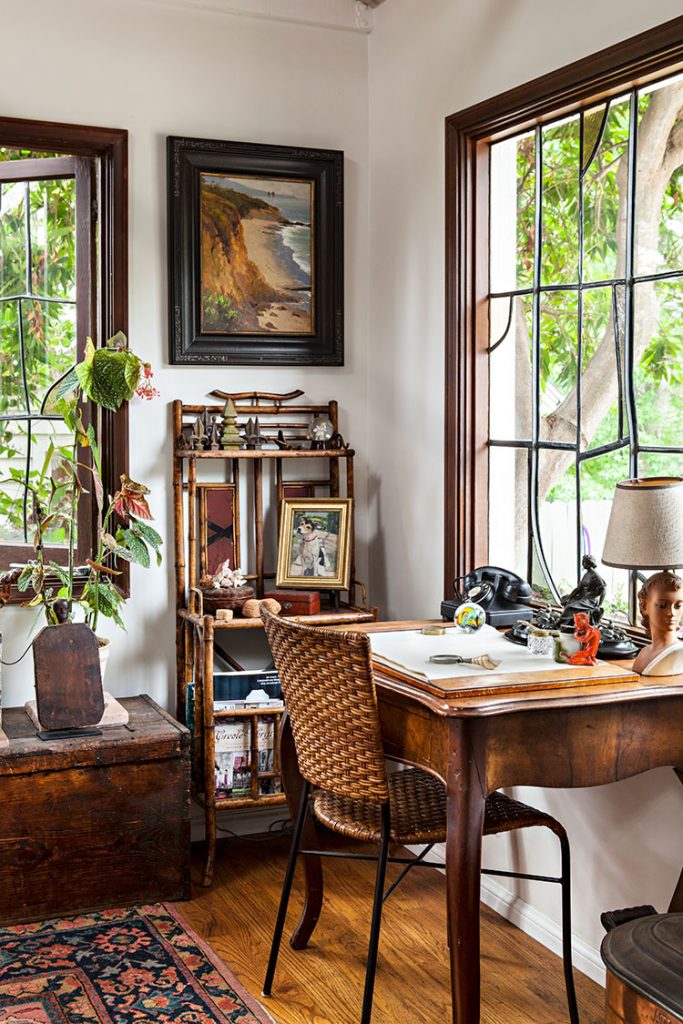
x,y
541,927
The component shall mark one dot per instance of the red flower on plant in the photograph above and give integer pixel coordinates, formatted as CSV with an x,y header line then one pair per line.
x,y
145,388
130,499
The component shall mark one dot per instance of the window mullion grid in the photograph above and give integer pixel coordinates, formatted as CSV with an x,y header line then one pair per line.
x,y
629,353
617,357
29,422
579,352
534,532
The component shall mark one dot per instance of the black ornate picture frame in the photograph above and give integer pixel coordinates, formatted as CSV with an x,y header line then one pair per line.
x,y
256,254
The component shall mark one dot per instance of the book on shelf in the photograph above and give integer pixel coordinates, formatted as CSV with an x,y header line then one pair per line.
x,y
235,689
232,690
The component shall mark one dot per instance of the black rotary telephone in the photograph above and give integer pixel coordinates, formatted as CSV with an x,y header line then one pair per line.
x,y
504,596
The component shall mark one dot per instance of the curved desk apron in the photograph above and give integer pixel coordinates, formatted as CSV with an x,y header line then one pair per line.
x,y
574,736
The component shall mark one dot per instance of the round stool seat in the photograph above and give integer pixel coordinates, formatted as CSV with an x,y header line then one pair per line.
x,y
646,955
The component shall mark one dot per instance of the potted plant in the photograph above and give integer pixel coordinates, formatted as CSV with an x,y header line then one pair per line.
x,y
106,377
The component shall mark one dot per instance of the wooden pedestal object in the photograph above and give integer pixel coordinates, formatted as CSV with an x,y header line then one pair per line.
x,y
95,821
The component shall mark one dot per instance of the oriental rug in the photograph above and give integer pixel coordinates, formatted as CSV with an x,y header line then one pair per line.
x,y
130,966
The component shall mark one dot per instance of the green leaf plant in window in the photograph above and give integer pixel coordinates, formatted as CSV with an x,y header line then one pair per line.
x,y
104,379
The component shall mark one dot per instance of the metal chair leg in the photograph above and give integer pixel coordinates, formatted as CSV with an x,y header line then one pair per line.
x,y
286,890
567,928
376,915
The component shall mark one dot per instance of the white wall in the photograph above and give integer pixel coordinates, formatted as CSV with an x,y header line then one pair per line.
x,y
427,61
158,70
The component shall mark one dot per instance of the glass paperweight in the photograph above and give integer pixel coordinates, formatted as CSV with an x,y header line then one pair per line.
x,y
469,617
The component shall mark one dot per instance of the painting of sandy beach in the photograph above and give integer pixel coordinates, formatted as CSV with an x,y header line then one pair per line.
x,y
256,255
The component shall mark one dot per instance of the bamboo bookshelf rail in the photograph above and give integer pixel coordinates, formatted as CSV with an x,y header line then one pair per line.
x,y
195,632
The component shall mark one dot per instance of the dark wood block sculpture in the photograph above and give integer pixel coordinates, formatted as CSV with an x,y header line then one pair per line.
x,y
67,677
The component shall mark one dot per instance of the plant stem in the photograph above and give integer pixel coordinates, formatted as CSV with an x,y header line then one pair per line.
x,y
72,523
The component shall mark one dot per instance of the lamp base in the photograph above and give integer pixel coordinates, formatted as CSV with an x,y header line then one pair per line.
x,y
668,662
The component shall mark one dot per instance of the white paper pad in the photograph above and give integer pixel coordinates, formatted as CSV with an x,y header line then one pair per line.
x,y
410,650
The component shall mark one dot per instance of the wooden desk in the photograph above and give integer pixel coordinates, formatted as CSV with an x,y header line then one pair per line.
x,y
575,736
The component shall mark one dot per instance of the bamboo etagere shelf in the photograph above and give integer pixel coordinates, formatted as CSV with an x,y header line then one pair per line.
x,y
258,478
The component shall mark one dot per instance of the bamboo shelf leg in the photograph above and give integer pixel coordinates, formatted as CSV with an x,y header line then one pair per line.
x,y
209,745
192,524
258,515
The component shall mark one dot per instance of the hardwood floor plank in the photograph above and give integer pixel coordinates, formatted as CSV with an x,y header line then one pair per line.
x,y
522,982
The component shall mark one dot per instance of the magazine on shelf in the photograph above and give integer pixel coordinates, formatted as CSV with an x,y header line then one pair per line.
x,y
233,756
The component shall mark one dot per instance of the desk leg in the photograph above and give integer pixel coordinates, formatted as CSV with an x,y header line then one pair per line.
x,y
313,875
465,823
677,898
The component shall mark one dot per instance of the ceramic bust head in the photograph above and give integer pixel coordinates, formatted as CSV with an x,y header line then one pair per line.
x,y
661,609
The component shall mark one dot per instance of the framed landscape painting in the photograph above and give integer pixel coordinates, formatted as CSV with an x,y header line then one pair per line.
x,y
314,549
255,254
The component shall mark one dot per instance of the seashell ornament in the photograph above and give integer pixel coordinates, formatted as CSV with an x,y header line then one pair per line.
x,y
481,660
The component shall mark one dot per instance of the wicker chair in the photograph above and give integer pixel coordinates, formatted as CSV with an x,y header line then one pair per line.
x,y
329,690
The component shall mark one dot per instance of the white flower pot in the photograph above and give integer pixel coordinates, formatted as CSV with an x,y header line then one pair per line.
x,y
104,645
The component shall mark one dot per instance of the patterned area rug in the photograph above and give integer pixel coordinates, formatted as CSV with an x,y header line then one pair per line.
x,y
117,967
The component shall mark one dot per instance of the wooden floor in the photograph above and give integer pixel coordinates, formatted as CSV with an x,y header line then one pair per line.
x,y
521,981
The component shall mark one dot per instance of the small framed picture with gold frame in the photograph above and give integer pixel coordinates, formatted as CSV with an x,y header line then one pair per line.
x,y
314,549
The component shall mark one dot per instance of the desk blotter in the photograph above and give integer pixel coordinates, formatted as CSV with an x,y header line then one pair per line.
x,y
405,653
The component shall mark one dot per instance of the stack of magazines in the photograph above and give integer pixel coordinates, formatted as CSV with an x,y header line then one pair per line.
x,y
232,763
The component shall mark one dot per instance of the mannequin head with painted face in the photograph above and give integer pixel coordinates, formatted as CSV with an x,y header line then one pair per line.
x,y
661,609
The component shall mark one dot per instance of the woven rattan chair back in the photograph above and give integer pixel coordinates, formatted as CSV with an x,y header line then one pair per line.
x,y
330,695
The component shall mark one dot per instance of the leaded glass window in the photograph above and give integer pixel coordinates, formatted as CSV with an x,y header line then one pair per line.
x,y
45,247
585,306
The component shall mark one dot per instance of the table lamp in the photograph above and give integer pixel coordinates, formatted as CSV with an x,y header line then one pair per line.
x,y
645,531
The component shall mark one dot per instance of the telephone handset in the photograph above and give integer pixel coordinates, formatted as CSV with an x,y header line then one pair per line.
x,y
504,596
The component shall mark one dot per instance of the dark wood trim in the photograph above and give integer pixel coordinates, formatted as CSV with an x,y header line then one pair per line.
x,y
51,136
110,314
638,60
46,169
86,319
635,61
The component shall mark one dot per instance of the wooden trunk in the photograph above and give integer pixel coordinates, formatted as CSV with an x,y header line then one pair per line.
x,y
94,822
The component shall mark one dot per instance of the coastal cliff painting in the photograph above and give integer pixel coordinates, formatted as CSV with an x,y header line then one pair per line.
x,y
256,260
256,255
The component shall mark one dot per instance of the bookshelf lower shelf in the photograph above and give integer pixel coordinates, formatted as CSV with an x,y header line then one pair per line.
x,y
234,803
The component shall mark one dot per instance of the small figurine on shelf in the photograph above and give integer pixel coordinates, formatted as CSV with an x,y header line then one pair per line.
x,y
587,596
589,638
199,437
231,438
183,441
214,443
252,434
224,576
321,432
337,442
281,443
227,588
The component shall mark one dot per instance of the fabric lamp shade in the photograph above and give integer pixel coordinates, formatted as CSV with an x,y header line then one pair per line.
x,y
645,529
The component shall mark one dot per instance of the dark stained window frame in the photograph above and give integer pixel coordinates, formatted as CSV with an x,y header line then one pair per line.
x,y
109,309
637,61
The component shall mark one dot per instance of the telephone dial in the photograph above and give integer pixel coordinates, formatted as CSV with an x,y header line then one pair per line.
x,y
505,597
